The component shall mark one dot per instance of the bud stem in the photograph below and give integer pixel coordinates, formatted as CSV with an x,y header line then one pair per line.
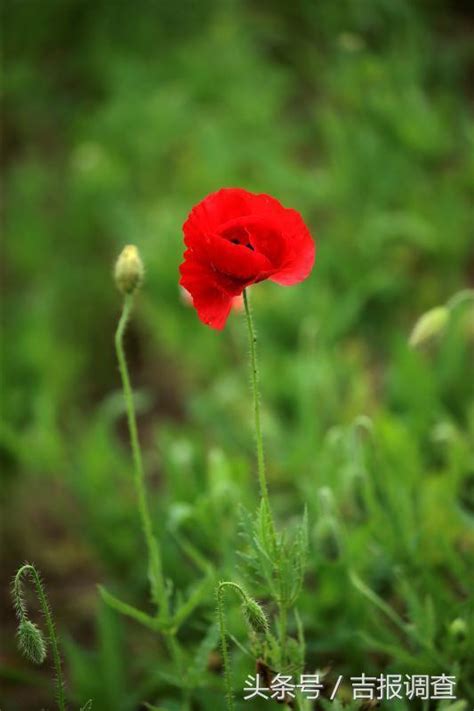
x,y
22,614
234,586
229,692
155,571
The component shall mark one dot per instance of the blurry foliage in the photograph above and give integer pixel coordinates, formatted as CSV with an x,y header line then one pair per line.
x,y
116,120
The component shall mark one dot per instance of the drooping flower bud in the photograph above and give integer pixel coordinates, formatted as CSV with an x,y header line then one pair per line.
x,y
429,325
255,615
31,642
129,270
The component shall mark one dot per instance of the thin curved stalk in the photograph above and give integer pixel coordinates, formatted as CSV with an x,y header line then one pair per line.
x,y
155,570
22,614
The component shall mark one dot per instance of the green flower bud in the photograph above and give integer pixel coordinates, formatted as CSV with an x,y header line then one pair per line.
x,y
458,629
429,325
31,642
255,615
129,270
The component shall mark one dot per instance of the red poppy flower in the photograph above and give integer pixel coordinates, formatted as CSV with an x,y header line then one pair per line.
x,y
234,239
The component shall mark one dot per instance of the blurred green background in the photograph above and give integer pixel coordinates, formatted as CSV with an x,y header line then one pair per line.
x,y
117,118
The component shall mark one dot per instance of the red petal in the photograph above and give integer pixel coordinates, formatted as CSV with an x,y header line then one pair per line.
x,y
235,260
213,307
236,238
300,252
227,204
211,302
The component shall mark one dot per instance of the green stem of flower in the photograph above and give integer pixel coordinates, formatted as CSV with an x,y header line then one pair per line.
x,y
155,570
282,625
229,692
234,586
256,402
30,570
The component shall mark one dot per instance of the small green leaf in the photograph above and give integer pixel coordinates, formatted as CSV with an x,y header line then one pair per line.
x,y
129,611
377,601
195,598
201,657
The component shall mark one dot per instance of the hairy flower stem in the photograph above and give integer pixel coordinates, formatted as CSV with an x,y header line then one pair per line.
x,y
256,402
229,692
282,608
155,570
22,614
282,629
234,586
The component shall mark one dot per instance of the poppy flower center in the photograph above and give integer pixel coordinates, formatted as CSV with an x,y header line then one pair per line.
x,y
238,235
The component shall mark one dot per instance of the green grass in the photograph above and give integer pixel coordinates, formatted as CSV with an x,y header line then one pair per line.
x,y
117,121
